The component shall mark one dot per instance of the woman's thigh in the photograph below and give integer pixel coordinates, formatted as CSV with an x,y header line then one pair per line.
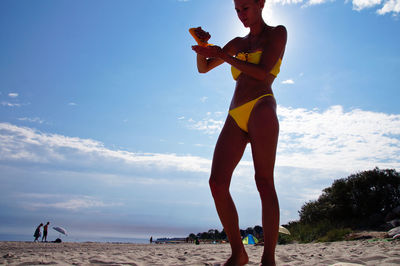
x,y
263,133
228,151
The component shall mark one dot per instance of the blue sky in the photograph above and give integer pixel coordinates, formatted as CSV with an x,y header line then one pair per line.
x,y
108,130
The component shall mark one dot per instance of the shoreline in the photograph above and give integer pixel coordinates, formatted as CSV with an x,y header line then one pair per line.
x,y
364,252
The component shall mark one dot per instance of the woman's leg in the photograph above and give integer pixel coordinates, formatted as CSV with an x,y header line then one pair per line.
x,y
227,154
263,132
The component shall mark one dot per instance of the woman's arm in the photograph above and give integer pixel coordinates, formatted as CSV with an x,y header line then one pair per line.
x,y
205,64
272,51
210,57
275,49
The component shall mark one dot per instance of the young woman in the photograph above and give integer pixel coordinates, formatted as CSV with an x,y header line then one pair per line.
x,y
255,61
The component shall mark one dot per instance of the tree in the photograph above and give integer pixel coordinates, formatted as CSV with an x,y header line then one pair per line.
x,y
258,231
249,230
223,235
360,201
213,233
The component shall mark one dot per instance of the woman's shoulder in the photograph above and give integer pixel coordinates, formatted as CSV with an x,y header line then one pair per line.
x,y
237,40
234,45
280,30
277,34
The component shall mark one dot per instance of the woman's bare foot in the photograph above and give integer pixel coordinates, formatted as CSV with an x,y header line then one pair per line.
x,y
237,259
267,262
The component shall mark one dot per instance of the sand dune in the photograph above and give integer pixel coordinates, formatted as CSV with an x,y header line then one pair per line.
x,y
338,253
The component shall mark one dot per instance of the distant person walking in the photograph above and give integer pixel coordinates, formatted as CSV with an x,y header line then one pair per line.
x,y
37,232
45,232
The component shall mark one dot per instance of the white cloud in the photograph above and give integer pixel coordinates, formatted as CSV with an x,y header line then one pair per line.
x,y
13,95
362,4
288,81
33,201
334,139
34,120
315,2
74,204
286,2
331,139
209,125
23,143
305,3
72,104
10,104
390,6
314,148
203,99
384,6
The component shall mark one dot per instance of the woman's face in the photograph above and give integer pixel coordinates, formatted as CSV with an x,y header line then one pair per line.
x,y
248,11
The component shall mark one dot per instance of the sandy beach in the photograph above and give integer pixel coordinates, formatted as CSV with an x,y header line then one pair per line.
x,y
362,252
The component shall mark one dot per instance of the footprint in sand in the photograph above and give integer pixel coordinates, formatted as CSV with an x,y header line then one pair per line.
x,y
378,258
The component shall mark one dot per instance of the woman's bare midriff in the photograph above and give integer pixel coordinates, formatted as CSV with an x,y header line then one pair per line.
x,y
248,88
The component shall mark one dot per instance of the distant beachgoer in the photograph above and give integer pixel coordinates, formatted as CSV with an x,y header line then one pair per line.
x,y
255,62
151,239
37,232
45,232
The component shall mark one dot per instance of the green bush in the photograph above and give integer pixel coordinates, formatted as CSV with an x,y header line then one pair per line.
x,y
305,233
335,235
324,231
284,239
360,201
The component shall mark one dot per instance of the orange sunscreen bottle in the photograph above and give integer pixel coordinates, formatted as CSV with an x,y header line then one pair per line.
x,y
197,39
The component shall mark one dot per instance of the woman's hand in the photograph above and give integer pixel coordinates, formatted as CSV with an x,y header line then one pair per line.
x,y
209,51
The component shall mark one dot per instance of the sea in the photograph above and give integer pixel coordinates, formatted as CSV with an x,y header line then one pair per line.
x,y
24,238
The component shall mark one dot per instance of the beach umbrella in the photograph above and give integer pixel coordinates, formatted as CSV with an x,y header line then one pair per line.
x,y
60,230
250,240
283,230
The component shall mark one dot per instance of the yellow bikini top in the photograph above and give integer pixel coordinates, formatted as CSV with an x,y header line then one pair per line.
x,y
254,58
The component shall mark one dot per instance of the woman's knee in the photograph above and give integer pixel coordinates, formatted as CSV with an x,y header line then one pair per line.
x,y
218,187
265,184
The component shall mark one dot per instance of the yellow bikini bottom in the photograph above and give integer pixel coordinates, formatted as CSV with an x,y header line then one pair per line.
x,y
241,114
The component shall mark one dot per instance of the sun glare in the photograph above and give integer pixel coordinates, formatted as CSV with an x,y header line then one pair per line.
x,y
273,15
238,29
270,15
